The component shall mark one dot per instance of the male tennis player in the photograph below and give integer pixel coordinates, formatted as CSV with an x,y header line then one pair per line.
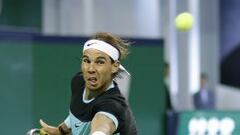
x,y
97,106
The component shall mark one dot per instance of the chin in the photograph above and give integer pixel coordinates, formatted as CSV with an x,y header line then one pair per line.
x,y
92,88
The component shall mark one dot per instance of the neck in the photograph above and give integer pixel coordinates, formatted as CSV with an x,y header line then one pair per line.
x,y
94,93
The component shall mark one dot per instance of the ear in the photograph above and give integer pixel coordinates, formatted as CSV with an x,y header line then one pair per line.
x,y
115,67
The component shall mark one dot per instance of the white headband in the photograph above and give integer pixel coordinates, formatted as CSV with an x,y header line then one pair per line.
x,y
104,47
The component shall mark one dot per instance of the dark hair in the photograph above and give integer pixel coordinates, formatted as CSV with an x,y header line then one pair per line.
x,y
120,44
117,42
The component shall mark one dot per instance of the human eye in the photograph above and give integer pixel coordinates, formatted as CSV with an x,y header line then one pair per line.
x,y
85,60
100,62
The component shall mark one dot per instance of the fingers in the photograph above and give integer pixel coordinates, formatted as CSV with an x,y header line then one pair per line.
x,y
44,129
42,132
43,124
47,129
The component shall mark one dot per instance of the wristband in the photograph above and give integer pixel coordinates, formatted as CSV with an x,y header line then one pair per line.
x,y
98,133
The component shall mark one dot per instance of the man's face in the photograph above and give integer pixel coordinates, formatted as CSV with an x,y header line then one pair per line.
x,y
97,69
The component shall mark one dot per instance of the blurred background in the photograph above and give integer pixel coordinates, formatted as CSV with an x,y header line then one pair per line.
x,y
41,41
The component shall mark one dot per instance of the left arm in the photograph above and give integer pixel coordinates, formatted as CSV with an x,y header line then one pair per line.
x,y
103,124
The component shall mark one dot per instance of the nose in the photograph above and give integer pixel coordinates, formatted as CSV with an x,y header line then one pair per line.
x,y
91,68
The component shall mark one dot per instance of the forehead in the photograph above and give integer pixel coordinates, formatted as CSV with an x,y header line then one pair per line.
x,y
94,53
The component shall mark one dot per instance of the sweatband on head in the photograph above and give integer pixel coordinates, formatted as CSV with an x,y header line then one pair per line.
x,y
102,46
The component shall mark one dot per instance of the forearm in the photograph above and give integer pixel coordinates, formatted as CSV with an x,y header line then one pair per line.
x,y
103,124
101,128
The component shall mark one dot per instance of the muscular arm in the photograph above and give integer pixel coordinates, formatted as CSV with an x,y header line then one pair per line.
x,y
102,123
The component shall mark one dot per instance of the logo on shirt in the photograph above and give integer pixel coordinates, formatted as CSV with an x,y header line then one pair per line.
x,y
77,125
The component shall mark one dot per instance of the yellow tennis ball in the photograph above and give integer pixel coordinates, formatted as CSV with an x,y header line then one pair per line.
x,y
184,21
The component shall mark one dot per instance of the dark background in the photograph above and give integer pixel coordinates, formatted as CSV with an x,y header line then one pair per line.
x,y
230,42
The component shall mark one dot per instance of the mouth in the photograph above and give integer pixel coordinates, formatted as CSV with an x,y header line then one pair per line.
x,y
92,81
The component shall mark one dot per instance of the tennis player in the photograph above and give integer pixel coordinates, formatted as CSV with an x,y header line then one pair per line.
x,y
97,106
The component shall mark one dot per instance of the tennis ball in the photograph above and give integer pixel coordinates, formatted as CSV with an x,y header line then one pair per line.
x,y
184,21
